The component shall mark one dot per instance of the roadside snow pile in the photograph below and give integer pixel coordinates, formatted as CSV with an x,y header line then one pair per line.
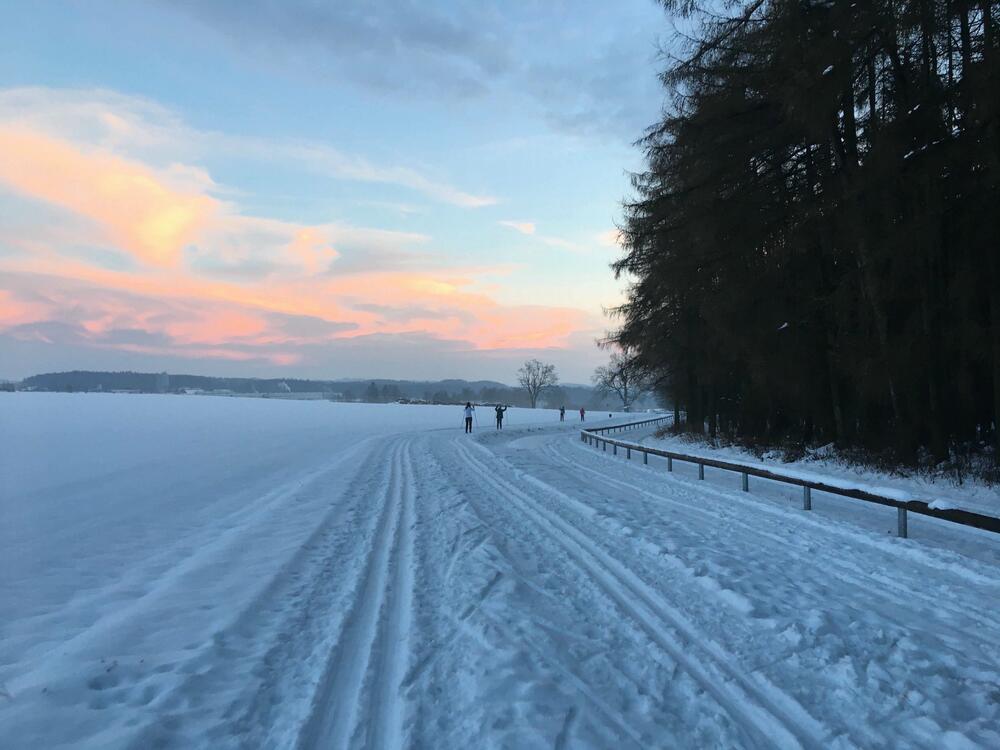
x,y
821,466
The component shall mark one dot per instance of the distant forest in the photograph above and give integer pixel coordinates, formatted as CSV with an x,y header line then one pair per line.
x,y
815,241
370,391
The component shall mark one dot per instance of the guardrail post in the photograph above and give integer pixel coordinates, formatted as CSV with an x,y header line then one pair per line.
x,y
670,464
615,448
901,523
807,500
605,446
645,457
746,482
701,471
628,453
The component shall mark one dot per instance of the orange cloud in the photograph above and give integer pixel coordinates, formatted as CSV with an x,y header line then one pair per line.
x,y
139,211
250,288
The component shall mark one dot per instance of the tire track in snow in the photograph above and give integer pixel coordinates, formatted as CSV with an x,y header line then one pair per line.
x,y
339,703
764,711
899,608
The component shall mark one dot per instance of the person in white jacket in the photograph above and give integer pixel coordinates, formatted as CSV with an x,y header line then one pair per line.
x,y
469,411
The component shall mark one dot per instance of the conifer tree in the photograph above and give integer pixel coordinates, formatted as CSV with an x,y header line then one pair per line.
x,y
815,244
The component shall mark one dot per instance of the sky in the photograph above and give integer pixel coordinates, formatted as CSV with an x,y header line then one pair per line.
x,y
411,190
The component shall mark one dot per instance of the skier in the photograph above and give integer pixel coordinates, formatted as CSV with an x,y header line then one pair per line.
x,y
500,410
469,411
562,413
582,413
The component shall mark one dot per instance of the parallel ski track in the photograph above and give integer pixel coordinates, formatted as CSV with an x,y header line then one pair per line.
x,y
616,729
764,712
385,727
844,570
372,645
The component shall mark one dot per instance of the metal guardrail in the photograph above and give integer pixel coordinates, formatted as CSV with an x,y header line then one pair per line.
x,y
597,438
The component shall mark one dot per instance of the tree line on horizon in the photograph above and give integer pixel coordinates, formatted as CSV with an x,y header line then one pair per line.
x,y
814,243
551,394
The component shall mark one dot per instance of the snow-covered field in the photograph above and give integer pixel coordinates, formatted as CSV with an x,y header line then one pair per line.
x,y
227,573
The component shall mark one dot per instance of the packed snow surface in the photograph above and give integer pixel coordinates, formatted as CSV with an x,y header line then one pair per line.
x,y
197,572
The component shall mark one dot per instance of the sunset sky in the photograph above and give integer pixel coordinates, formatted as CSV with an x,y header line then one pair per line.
x,y
316,189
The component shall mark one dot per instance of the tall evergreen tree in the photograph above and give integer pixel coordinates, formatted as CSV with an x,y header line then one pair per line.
x,y
814,246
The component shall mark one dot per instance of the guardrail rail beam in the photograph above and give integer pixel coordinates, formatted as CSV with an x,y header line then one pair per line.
x,y
597,437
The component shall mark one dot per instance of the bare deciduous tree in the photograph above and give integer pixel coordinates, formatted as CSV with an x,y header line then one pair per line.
x,y
535,377
624,376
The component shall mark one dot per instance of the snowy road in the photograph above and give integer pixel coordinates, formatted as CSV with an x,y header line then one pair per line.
x,y
427,589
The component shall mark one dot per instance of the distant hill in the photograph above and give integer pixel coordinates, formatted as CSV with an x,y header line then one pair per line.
x,y
377,390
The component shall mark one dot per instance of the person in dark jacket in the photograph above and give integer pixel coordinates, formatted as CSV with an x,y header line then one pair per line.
x,y
583,413
562,413
500,410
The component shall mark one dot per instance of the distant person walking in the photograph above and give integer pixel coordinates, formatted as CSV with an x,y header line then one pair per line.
x,y
470,410
562,413
500,410
583,413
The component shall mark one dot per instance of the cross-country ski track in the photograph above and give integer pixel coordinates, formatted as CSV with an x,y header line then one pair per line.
x,y
522,590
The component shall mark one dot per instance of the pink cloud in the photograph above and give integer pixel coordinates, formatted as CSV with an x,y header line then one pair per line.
x,y
211,282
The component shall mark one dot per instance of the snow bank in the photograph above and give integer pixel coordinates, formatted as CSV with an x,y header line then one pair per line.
x,y
938,492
